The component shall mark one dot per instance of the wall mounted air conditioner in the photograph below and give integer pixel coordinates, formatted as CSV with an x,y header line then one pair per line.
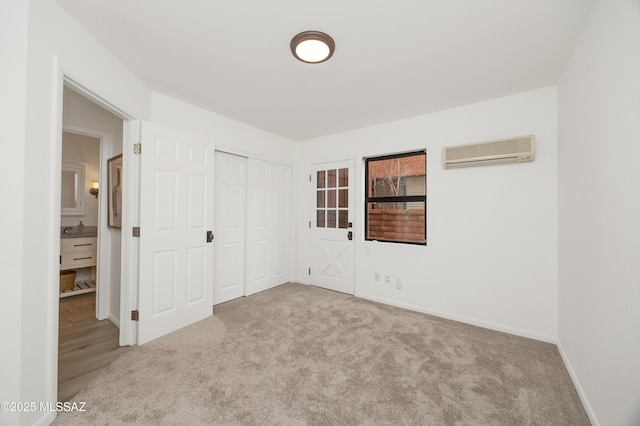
x,y
501,151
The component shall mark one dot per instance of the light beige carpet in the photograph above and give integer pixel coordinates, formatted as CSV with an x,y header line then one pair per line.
x,y
297,355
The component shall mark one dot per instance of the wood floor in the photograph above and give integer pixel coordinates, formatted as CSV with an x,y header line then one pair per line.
x,y
84,350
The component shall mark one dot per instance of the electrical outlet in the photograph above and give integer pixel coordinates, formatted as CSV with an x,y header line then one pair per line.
x,y
387,279
398,283
376,276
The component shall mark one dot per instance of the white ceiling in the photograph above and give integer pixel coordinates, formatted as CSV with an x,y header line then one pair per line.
x,y
393,59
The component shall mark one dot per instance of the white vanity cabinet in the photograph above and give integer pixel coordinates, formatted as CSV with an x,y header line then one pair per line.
x,y
78,252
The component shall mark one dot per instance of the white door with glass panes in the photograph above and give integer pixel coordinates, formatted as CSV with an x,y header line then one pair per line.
x,y
331,226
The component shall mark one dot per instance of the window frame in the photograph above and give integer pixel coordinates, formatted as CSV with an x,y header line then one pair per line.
x,y
393,199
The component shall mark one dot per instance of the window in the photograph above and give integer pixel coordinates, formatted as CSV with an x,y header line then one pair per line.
x,y
396,198
332,198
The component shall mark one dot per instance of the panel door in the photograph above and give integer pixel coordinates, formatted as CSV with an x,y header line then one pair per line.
x,y
230,227
331,226
176,211
268,225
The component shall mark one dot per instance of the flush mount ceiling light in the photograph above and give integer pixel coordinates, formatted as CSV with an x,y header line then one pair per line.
x,y
312,47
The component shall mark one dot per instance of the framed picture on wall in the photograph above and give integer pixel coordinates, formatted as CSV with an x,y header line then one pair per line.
x,y
114,185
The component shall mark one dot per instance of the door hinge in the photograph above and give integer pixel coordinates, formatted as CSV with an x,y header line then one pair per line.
x,y
135,315
309,178
137,148
309,224
135,231
309,271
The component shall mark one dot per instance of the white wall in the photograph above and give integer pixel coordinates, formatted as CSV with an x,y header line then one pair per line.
x,y
81,112
226,134
54,36
13,47
491,255
599,213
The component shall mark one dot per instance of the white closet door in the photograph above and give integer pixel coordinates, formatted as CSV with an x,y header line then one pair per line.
x,y
268,225
230,191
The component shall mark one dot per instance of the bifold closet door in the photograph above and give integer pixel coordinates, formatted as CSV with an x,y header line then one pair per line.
x,y
229,227
268,225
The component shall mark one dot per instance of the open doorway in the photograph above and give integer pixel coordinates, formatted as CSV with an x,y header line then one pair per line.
x,y
79,223
90,249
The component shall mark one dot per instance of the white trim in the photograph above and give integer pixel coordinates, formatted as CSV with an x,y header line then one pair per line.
x,y
52,203
460,318
114,320
52,261
46,419
241,153
77,87
130,245
576,383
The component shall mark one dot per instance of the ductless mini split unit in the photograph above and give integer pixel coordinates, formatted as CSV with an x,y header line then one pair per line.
x,y
501,151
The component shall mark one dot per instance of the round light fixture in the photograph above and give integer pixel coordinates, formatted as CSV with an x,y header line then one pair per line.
x,y
312,47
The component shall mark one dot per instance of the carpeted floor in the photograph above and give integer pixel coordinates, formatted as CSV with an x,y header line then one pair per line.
x,y
76,308
297,355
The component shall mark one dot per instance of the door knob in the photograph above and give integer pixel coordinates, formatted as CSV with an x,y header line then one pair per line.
x,y
350,235
209,236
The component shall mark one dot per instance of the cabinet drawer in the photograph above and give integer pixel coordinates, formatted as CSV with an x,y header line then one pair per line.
x,y
78,260
73,245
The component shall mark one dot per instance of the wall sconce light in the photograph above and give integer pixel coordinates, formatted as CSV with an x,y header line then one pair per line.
x,y
94,188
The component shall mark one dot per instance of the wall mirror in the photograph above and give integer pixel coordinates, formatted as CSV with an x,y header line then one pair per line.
x,y
72,189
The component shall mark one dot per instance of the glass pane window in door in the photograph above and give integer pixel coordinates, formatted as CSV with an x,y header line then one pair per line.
x,y
320,199
343,219
320,180
331,218
320,219
343,178
343,198
331,179
331,198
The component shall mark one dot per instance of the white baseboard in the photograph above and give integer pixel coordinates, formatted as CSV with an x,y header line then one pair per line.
x,y
114,320
46,419
467,320
576,383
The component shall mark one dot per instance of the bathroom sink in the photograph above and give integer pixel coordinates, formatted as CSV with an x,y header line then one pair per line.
x,y
71,232
78,235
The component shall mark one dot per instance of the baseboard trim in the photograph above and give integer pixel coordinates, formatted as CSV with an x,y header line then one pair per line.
x,y
114,320
467,320
46,419
576,383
